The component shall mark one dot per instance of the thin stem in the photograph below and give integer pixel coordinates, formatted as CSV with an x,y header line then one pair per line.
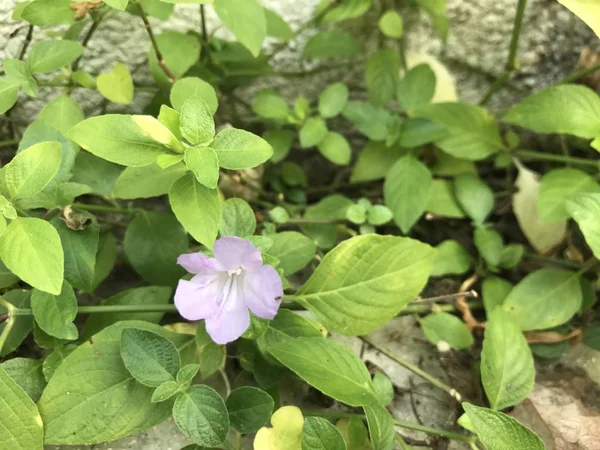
x,y
511,63
303,221
550,260
580,74
402,442
587,266
413,368
203,22
85,42
426,308
225,381
540,156
26,42
159,56
9,324
444,298
107,209
9,142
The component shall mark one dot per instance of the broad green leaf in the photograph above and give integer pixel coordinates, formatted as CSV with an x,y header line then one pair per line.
x,y
148,295
365,281
494,291
180,52
287,324
48,12
281,141
586,10
368,119
543,236
245,20
148,181
313,132
149,357
345,9
118,139
32,169
269,104
239,149
335,148
379,215
9,91
443,201
197,208
27,373
557,186
237,218
407,190
80,249
286,433
187,373
329,366
417,132
23,325
374,162
416,88
55,359
116,85
391,24
381,427
354,432
159,133
293,250
81,409
544,299
153,242
333,100
54,314
566,108
444,327
277,27
490,245
62,113
585,210
106,256
196,122
507,371
100,175
170,119
7,278
384,388
472,132
321,434
202,416
474,196
449,166
249,409
356,214
211,359
451,259
20,422
31,249
48,56
19,72
331,207
381,76
497,431
204,163
193,87
331,44
165,391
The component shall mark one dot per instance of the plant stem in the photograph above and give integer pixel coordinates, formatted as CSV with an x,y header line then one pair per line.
x,y
444,298
26,42
225,381
85,42
587,266
203,24
413,368
539,156
511,63
303,221
9,142
159,56
398,423
107,209
580,74
402,442
550,260
9,324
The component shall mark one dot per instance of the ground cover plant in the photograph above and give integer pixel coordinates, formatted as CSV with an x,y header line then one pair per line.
x,y
146,254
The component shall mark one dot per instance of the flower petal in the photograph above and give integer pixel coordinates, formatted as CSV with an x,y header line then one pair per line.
x,y
196,263
263,291
232,252
201,297
230,323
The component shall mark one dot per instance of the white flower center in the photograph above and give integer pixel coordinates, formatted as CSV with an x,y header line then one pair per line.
x,y
234,271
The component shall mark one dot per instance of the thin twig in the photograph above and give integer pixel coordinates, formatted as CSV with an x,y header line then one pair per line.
x,y
444,298
540,156
26,42
85,42
159,56
462,305
580,74
9,324
551,337
203,22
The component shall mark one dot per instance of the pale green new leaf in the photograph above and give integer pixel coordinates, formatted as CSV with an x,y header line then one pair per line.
x,y
277,27
237,218
203,161
19,72
293,250
246,20
180,52
62,113
313,132
391,24
148,181
474,196
444,327
381,427
333,100
116,85
384,388
193,87
196,122
585,210
335,148
9,91
47,56
239,149
494,291
270,105
443,201
54,314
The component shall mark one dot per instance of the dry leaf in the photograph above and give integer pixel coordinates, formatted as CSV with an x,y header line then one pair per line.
x,y
445,86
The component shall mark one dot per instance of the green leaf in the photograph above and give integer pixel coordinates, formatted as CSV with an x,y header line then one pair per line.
x,y
118,139
23,325
354,432
321,434
9,92
438,327
335,148
381,76
148,181
180,52
381,427
567,108
384,388
368,119
490,245
193,87
277,27
346,9
451,259
585,210
511,256
474,196
204,163
116,85
62,113
81,409
48,12
391,24
153,242
170,119
497,431
149,295
557,186
197,208
507,371
379,215
329,366
287,324
331,207
55,359
313,132
436,9
31,249
197,124
333,100
417,132
187,373
407,190
159,133
268,104
20,422
19,72
281,141
149,357
249,409
165,391
48,56
27,373
345,291
245,20
100,175
80,249
106,256
416,88
54,314
32,169
239,149
237,218
494,291
331,44
472,132
293,249
202,416
443,202
7,278
83,79
374,162
212,359
591,335
544,299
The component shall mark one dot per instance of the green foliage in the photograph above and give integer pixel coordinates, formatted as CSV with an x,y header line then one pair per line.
x,y
330,44
48,56
585,209
416,88
557,189
384,388
27,373
237,218
249,409
293,250
116,85
239,149
236,16
54,314
451,259
320,434
391,24
381,76
444,327
474,196
381,427
333,100
313,132
180,52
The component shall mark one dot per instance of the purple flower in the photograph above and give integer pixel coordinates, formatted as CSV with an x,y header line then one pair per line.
x,y
225,287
